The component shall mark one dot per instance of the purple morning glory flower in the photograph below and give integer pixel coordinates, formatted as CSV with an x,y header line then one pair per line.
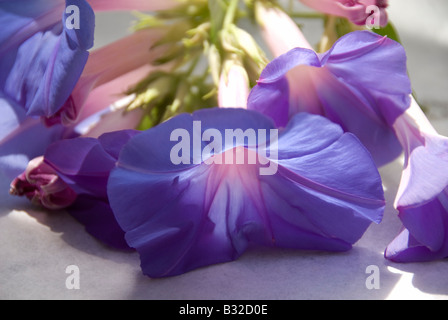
x,y
422,199
39,63
360,84
42,52
73,175
186,201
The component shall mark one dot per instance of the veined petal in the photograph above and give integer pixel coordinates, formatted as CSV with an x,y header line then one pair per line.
x,y
187,216
368,62
21,19
43,56
344,85
85,163
354,112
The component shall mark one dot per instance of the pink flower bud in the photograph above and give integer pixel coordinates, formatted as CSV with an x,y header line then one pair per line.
x,y
40,184
233,88
359,12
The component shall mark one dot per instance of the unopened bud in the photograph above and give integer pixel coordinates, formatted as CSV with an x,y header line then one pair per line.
x,y
41,184
234,86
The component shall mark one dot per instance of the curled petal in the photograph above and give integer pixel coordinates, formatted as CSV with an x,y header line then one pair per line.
x,y
181,217
85,163
422,198
73,176
405,248
351,85
41,55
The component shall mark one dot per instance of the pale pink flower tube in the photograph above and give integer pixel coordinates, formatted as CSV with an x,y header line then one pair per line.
x,y
233,88
109,73
357,11
279,31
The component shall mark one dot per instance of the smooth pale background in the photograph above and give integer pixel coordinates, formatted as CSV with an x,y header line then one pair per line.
x,y
37,246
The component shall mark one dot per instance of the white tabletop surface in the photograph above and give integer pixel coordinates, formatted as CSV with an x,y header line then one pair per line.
x,y
36,246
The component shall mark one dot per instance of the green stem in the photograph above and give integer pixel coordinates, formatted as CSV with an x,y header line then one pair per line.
x,y
306,15
231,13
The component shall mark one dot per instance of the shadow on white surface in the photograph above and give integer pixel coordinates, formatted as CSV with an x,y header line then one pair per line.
x,y
40,245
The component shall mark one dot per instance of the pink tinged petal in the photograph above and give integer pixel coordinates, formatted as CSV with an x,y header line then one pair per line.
x,y
234,88
279,31
41,184
133,5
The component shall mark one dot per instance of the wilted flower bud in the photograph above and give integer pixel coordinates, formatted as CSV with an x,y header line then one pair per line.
x,y
41,184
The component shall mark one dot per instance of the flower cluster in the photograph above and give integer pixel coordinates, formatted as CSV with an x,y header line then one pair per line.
x,y
184,142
